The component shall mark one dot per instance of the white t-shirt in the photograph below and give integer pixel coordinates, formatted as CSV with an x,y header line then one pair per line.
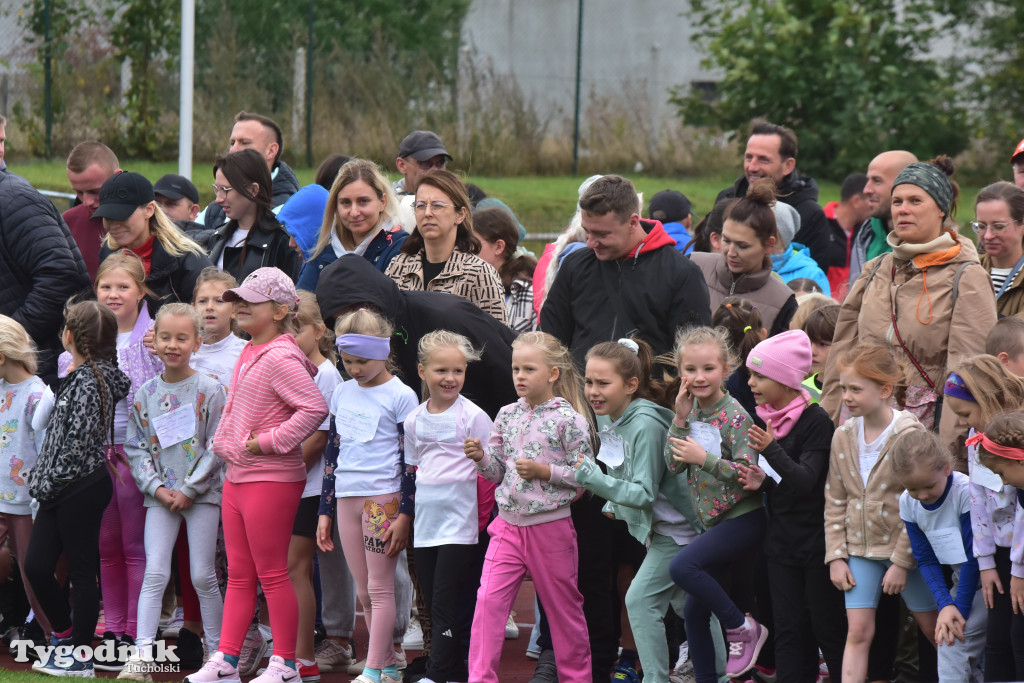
x,y
869,452
446,500
327,380
218,359
235,241
668,521
121,409
366,420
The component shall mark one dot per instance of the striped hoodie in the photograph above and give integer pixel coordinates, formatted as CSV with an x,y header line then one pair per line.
x,y
273,396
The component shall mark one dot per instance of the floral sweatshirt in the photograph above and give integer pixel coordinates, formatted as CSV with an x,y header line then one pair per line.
x,y
553,434
184,462
715,484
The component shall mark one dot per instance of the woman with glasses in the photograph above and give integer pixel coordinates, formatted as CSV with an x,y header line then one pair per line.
x,y
999,224
929,300
359,219
252,238
441,253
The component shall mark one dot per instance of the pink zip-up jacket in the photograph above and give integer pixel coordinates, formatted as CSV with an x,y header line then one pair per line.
x,y
552,434
275,398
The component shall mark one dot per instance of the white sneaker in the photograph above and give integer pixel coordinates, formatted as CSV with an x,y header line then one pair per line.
x,y
333,656
268,636
357,668
135,670
413,639
172,628
511,629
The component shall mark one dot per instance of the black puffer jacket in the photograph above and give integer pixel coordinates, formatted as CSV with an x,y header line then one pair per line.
x,y
171,278
801,193
285,184
352,280
40,267
267,246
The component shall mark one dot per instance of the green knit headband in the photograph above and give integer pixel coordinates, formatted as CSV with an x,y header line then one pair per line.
x,y
931,179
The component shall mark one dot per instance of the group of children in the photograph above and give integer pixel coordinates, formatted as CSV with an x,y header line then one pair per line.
x,y
727,478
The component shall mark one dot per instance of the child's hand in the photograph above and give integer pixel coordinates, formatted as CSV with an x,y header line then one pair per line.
x,y
684,403
751,477
1017,594
989,584
181,502
324,528
949,625
759,438
148,341
688,451
473,449
398,534
531,469
895,580
840,574
165,497
253,444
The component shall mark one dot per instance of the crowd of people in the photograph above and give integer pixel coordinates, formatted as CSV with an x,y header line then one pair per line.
x,y
719,449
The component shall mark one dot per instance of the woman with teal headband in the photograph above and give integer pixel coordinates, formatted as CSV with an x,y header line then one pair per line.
x,y
929,299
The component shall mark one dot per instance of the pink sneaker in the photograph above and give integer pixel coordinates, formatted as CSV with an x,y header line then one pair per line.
x,y
277,672
216,670
744,646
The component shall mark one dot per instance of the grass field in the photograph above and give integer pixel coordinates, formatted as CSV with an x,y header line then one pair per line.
x,y
543,204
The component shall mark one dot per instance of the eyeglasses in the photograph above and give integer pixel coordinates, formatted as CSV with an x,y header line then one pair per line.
x,y
979,228
437,162
219,190
435,207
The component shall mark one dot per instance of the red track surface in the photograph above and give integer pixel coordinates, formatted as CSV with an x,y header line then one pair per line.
x,y
515,667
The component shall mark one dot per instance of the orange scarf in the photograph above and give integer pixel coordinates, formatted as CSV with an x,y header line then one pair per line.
x,y
924,262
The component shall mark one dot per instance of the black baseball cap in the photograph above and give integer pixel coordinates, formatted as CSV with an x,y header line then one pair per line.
x,y
422,145
122,194
174,186
673,206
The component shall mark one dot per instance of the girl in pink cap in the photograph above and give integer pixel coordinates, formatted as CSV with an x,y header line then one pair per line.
x,y
273,407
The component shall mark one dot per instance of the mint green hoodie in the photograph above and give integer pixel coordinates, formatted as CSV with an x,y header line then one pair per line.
x,y
632,487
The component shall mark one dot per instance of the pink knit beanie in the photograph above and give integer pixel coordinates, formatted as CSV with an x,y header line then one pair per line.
x,y
785,358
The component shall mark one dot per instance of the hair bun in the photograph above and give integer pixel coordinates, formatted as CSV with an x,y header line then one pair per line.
x,y
762,191
944,164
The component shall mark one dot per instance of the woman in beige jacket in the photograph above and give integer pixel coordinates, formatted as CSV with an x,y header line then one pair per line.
x,y
929,300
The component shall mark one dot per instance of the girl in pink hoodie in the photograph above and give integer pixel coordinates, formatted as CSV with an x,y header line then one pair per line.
x,y
273,407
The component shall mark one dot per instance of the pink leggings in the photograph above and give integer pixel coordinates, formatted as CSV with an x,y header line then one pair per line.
x,y
258,517
122,550
361,524
18,528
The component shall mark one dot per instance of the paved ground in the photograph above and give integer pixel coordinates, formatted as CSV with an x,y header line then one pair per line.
x,y
515,667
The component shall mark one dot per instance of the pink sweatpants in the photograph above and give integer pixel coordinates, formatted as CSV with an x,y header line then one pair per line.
x,y
361,524
122,550
548,551
18,528
258,518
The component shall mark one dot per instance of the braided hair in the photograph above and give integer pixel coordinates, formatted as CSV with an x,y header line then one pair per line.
x,y
93,329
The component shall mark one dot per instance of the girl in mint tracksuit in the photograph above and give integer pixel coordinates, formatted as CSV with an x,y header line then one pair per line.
x,y
656,507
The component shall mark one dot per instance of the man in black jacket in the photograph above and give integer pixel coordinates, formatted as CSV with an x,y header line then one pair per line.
x,y
261,133
630,280
771,151
40,267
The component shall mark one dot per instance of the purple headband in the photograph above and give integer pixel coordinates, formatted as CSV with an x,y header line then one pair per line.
x,y
956,388
364,346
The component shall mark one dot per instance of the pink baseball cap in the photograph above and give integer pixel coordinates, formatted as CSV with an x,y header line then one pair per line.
x,y
265,284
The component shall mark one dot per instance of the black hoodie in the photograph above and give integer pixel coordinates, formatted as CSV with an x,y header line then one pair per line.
x,y
801,192
352,280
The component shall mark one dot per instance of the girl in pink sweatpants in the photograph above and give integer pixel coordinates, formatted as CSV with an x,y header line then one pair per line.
x,y
532,453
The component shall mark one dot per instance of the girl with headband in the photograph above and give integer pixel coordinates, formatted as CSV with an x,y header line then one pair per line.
x,y
367,488
273,407
978,390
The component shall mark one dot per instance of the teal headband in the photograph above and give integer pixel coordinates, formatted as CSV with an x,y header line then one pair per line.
x,y
931,179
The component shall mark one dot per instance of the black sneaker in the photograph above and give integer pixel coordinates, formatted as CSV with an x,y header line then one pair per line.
x,y
33,632
190,650
108,655
546,671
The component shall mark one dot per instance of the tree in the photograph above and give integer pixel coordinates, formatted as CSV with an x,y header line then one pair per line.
x,y
849,76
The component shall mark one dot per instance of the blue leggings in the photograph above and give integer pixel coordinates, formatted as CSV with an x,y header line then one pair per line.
x,y
713,552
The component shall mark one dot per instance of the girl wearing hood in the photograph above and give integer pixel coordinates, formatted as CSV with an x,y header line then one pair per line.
x,y
650,508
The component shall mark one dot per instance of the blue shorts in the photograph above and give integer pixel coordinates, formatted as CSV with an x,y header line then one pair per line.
x,y
868,575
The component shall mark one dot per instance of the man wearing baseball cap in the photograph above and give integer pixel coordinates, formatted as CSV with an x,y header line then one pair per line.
x,y
177,196
1017,162
673,209
420,151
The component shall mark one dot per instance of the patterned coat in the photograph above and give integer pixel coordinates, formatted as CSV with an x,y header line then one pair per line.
x,y
465,275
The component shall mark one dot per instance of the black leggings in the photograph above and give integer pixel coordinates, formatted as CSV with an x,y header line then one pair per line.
x,y
449,582
70,525
1004,649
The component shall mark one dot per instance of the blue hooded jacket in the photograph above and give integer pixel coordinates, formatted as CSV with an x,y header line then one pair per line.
x,y
797,263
